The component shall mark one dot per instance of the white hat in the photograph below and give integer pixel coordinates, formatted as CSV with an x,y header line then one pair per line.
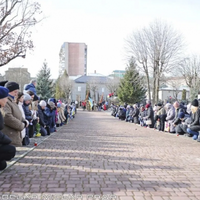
x,y
42,103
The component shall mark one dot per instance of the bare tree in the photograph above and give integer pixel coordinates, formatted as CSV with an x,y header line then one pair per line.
x,y
16,19
157,50
93,85
176,86
113,84
66,85
190,69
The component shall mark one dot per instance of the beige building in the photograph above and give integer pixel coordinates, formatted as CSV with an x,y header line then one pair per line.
x,y
19,75
73,59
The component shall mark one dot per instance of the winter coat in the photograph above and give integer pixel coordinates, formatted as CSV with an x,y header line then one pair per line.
x,y
150,115
177,111
23,115
170,112
161,111
195,125
135,115
14,123
4,139
27,112
41,116
143,113
131,111
49,117
122,113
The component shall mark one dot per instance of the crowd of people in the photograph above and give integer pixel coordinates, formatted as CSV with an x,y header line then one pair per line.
x,y
176,118
23,115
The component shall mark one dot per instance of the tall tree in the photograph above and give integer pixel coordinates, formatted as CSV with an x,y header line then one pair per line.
x,y
131,89
66,86
44,83
16,19
157,50
190,69
113,84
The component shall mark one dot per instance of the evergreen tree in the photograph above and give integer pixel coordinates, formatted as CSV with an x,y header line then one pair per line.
x,y
131,89
44,84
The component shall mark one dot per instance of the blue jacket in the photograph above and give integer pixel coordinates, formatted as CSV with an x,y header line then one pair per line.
x,y
30,87
27,112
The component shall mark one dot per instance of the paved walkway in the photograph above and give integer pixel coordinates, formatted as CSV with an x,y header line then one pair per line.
x,y
99,157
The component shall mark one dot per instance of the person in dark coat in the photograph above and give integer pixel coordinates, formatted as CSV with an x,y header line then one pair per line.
x,y
41,109
49,117
178,110
122,113
150,116
135,114
181,124
194,128
7,151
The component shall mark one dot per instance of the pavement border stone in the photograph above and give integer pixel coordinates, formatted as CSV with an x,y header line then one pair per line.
x,y
24,150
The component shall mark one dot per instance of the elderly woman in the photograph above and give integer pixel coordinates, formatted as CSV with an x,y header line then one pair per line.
x,y
150,116
135,114
170,110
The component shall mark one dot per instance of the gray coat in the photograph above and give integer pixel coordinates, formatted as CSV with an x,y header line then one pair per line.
x,y
195,125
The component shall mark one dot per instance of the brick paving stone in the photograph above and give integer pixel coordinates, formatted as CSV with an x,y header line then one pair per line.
x,y
98,154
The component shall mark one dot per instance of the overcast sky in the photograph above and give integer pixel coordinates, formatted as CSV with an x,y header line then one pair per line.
x,y
103,25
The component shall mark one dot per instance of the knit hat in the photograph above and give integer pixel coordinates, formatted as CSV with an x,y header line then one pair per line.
x,y
51,104
27,97
195,103
42,103
12,86
58,105
2,83
181,115
3,92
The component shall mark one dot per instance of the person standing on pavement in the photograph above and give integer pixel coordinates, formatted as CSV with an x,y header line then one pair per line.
x,y
7,151
14,123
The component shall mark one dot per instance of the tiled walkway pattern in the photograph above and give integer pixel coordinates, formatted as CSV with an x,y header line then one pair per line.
x,y
99,157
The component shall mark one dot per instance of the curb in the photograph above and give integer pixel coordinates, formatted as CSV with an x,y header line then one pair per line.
x,y
29,149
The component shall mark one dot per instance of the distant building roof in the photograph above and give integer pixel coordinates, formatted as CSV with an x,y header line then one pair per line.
x,y
98,79
119,71
95,74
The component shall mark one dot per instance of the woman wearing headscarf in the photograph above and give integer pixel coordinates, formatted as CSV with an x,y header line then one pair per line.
x,y
170,114
150,116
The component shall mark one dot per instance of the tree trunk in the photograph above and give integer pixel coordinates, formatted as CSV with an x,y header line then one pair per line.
x,y
157,89
148,87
